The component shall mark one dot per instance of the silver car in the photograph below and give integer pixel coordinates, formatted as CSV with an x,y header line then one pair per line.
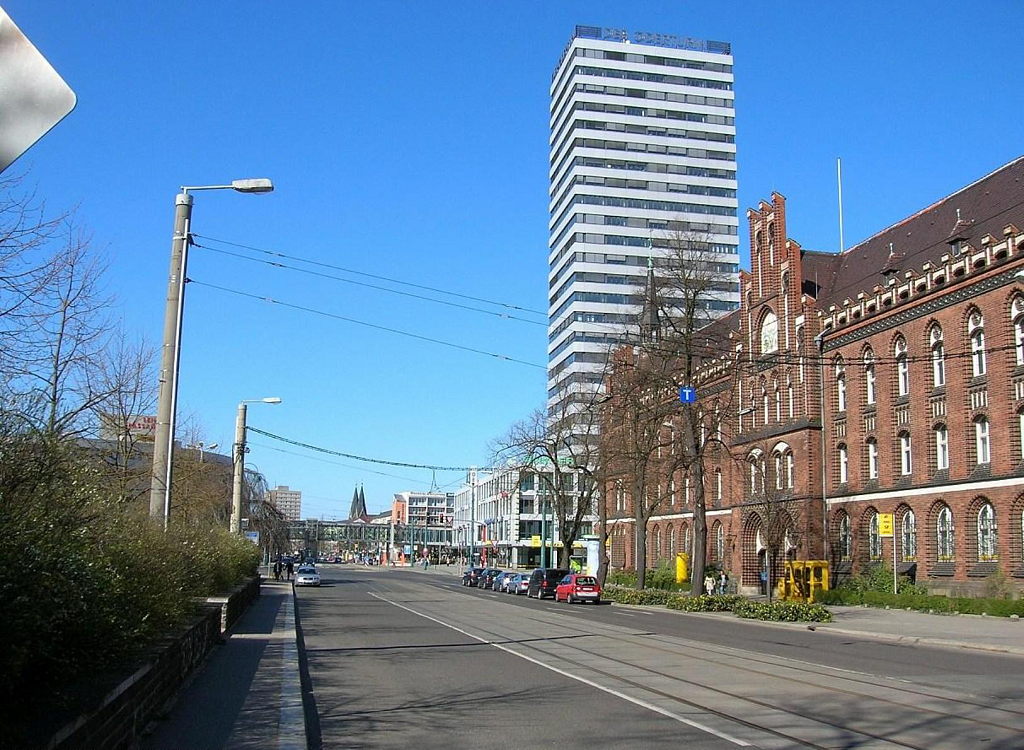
x,y
307,575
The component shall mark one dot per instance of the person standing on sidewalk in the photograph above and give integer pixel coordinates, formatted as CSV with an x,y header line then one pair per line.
x,y
289,569
277,570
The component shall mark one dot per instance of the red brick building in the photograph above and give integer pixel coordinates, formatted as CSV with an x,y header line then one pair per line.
x,y
885,379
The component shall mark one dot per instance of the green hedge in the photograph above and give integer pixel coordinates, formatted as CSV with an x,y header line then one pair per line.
x,y
782,611
925,602
662,577
704,603
625,595
86,584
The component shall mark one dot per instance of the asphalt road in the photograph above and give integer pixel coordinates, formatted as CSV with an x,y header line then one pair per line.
x,y
398,658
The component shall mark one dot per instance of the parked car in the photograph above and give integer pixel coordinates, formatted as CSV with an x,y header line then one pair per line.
x,y
519,584
307,575
472,576
544,580
499,580
488,576
578,588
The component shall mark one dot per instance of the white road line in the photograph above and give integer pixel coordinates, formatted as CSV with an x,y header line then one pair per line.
x,y
570,675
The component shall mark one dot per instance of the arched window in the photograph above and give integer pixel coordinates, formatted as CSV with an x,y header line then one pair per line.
x,y
872,458
845,540
938,357
908,535
769,333
987,549
906,464
840,385
1017,313
719,542
844,464
756,461
874,538
778,403
789,470
657,544
779,470
789,395
718,485
672,549
672,491
941,447
620,496
982,451
869,378
976,334
902,368
944,540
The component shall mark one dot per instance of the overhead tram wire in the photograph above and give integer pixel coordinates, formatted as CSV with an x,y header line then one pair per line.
x,y
321,264
275,264
353,456
335,463
324,313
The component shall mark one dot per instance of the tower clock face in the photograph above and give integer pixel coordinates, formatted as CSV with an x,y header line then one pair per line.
x,y
769,334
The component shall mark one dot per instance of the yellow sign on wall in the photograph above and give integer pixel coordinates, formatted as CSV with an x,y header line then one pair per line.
x,y
885,524
535,540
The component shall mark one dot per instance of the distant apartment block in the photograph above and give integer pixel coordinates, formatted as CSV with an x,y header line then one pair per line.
x,y
642,148
288,501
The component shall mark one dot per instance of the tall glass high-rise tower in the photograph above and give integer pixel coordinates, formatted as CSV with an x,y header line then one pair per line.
x,y
642,145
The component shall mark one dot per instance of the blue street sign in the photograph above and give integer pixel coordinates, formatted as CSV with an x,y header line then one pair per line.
x,y
687,394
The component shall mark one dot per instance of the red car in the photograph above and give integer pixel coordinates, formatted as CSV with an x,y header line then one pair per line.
x,y
578,588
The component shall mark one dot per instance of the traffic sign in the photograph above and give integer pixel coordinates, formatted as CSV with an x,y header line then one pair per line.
x,y
688,394
33,97
885,524
253,536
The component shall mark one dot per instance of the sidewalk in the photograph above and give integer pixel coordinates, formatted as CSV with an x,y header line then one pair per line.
x,y
248,694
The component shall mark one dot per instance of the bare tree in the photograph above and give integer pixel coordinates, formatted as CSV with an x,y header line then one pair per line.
x,y
125,383
60,339
652,438
561,451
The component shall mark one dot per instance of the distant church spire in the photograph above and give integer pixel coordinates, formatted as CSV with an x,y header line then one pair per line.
x,y
650,319
358,509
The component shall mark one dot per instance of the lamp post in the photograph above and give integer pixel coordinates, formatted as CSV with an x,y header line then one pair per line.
x,y
239,460
163,444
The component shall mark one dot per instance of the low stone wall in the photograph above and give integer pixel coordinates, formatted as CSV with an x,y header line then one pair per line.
x,y
125,712
235,602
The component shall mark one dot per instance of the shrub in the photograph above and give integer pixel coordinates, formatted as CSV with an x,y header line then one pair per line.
x,y
782,611
661,577
84,584
625,595
704,603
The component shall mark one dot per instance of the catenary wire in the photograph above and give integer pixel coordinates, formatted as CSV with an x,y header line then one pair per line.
x,y
372,275
275,264
324,313
353,456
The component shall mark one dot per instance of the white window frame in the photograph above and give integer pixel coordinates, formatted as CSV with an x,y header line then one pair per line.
x,y
906,455
945,535
982,442
844,465
902,369
941,447
908,535
872,459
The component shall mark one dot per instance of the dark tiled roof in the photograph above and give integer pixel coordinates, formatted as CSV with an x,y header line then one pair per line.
x,y
985,207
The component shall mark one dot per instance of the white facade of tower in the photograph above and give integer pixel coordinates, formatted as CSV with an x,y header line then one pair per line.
x,y
642,144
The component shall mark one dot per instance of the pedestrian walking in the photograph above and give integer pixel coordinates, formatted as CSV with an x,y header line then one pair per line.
x,y
289,569
709,584
277,570
723,582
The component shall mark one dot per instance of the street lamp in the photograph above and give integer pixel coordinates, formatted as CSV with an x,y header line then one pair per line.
x,y
239,460
163,445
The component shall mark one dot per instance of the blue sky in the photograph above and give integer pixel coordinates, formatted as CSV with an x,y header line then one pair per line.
x,y
409,140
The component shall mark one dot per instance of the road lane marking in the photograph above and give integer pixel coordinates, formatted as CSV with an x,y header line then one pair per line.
x,y
611,691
